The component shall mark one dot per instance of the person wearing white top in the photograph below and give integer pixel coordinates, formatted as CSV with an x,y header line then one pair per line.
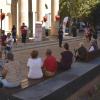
x,y
35,66
91,49
9,42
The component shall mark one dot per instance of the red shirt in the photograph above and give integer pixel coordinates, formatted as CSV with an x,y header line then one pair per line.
x,y
23,30
3,39
50,64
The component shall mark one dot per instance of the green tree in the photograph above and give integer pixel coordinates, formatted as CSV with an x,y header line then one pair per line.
x,y
76,8
94,16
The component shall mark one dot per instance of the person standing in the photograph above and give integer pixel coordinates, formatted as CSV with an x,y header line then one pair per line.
x,y
9,43
3,42
74,29
60,35
14,33
24,30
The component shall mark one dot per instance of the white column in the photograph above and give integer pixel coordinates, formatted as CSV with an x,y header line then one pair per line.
x,y
22,13
34,15
54,12
40,9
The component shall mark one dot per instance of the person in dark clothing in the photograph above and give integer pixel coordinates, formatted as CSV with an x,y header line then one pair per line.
x,y
14,33
74,29
66,58
60,36
3,42
24,30
81,53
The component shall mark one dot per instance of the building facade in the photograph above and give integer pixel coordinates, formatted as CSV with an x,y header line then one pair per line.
x,y
29,12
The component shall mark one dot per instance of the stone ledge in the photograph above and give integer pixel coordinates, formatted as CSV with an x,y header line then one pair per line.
x,y
63,85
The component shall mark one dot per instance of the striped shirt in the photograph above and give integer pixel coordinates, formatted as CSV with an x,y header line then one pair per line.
x,y
13,72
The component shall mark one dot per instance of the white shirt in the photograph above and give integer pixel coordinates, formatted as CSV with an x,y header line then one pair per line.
x,y
9,42
35,70
91,49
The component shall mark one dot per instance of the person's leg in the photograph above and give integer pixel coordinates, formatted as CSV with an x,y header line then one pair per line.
x,y
1,84
48,73
60,42
24,39
14,39
8,84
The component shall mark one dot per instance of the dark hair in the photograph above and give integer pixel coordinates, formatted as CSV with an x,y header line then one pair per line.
x,y
66,46
3,31
48,52
0,54
34,54
10,56
8,34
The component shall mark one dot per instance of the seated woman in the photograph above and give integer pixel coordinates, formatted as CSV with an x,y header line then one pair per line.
x,y
50,64
35,66
66,58
93,46
11,72
81,53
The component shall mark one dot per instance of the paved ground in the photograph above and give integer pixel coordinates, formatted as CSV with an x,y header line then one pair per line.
x,y
22,51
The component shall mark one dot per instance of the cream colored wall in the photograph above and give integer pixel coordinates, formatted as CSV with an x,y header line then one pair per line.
x,y
38,9
6,9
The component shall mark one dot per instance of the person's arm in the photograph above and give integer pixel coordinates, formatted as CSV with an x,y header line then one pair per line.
x,y
28,64
44,65
4,71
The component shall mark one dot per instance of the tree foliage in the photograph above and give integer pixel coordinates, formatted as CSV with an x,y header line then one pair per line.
x,y
94,16
76,8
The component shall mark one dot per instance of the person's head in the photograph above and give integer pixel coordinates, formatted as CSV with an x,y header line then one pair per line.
x,y
93,42
3,32
66,46
81,44
23,24
8,34
10,56
34,54
14,26
0,54
48,52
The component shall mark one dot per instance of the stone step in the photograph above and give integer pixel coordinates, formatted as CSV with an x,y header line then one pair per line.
x,y
42,43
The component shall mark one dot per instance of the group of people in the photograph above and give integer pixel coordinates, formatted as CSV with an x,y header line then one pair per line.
x,y
23,31
6,43
37,68
81,52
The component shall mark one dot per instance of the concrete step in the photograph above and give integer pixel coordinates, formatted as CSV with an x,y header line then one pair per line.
x,y
38,44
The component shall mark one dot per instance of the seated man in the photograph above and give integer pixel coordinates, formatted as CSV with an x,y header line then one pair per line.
x,y
11,73
50,64
81,53
66,58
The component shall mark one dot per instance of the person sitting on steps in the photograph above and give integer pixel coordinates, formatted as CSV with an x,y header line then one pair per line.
x,y
81,52
11,73
66,58
50,64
